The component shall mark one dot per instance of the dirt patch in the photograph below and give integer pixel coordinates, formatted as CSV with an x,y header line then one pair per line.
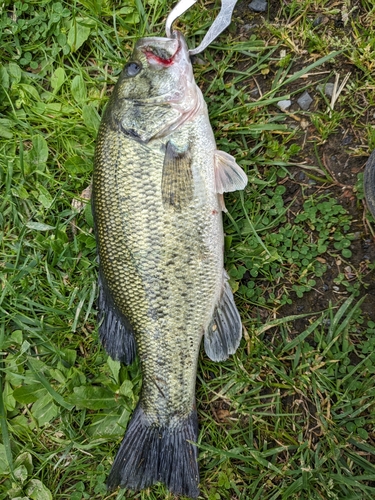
x,y
339,155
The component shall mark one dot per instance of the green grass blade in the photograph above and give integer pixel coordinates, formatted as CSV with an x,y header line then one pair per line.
x,y
55,395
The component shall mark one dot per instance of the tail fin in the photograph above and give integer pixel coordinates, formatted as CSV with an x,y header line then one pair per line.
x,y
150,454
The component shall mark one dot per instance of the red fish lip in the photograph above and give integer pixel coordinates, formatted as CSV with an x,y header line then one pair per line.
x,y
152,57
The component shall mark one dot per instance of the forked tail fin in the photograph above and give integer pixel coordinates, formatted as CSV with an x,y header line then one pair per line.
x,y
149,454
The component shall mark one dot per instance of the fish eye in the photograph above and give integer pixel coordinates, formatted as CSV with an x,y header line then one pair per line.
x,y
133,68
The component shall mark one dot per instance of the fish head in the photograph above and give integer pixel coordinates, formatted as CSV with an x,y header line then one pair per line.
x,y
160,71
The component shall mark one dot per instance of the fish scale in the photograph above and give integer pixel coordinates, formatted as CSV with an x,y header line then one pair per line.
x,y
159,231
157,236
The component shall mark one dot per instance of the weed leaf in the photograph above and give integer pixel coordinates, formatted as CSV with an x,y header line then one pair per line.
x,y
78,34
44,410
57,79
91,118
78,89
36,490
93,398
39,226
4,463
29,393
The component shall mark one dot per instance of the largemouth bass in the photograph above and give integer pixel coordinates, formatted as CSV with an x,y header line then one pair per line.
x,y
157,203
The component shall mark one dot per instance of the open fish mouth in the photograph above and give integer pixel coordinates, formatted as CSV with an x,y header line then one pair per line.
x,y
162,51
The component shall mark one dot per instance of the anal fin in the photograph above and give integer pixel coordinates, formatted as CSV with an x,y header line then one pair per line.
x,y
224,333
115,331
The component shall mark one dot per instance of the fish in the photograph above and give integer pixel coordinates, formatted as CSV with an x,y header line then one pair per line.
x,y
158,185
369,183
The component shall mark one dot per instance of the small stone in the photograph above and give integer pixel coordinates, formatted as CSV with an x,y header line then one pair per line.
x,y
283,105
304,101
254,92
317,21
366,244
347,140
258,5
320,20
326,88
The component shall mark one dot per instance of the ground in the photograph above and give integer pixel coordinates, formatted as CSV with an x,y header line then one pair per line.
x,y
340,149
289,416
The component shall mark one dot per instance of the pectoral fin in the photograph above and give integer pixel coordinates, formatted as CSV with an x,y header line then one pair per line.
x,y
177,181
224,333
228,175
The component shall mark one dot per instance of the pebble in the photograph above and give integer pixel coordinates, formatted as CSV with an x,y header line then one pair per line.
x,y
304,101
326,88
347,140
366,244
258,5
320,20
283,105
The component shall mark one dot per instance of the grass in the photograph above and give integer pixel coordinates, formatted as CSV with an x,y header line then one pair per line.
x,y
291,415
